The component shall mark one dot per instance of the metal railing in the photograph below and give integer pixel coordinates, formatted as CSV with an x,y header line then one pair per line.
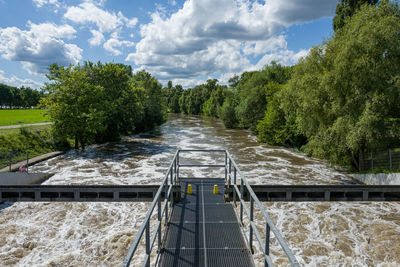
x,y
162,210
269,225
229,164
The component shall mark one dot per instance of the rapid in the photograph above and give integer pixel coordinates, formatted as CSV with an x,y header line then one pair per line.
x,y
99,234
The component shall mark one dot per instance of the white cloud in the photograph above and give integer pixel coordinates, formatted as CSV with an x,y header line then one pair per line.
x,y
88,12
40,3
15,81
284,57
97,38
39,46
112,43
208,37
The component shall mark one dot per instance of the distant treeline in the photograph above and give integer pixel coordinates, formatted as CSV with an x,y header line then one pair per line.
x,y
339,102
13,97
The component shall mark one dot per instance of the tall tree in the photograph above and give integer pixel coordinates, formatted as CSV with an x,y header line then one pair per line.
x,y
346,9
347,92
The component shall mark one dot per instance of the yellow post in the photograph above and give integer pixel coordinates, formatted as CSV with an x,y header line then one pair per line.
x,y
215,191
189,189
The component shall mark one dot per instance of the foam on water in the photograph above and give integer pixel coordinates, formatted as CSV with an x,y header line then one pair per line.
x,y
99,234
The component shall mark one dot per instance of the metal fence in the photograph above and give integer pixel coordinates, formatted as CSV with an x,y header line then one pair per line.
x,y
386,159
10,157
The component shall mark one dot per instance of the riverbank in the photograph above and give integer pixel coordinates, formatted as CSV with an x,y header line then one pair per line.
x,y
32,161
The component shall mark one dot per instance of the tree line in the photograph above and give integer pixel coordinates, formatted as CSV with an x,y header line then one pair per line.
x,y
14,97
337,103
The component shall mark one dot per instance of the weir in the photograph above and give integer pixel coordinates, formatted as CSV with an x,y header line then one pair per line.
x,y
202,228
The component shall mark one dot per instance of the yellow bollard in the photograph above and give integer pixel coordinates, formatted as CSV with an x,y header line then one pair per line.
x,y
215,191
189,189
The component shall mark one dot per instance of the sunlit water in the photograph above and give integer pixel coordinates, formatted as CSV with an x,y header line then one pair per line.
x,y
99,234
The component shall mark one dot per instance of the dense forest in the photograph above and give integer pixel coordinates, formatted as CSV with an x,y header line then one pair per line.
x,y
339,102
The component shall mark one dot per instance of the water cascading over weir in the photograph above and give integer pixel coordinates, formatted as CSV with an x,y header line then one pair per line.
x,y
202,221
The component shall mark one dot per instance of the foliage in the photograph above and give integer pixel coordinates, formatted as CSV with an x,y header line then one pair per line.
x,y
99,102
347,92
11,96
251,87
346,9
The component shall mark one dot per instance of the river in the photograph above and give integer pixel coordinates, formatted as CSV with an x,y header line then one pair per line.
x,y
99,234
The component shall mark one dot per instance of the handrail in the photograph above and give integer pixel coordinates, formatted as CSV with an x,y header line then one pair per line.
x,y
173,175
145,227
270,226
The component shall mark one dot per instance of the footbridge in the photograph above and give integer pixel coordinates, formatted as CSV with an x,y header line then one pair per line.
x,y
202,221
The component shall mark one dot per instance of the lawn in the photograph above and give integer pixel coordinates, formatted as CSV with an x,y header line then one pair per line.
x,y
22,116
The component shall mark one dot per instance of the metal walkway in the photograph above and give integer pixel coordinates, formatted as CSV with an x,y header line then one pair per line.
x,y
203,230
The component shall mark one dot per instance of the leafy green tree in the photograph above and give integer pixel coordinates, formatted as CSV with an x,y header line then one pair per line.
x,y
227,111
347,92
251,93
6,95
346,9
278,127
154,109
74,104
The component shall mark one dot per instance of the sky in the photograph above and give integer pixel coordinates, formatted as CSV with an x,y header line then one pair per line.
x,y
186,42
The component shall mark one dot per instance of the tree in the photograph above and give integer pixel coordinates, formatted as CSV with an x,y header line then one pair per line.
x,y
73,104
347,92
346,9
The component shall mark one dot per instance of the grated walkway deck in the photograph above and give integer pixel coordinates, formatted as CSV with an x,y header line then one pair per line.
x,y
203,230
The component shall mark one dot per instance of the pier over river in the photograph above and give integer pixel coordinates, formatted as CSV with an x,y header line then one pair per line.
x,y
99,234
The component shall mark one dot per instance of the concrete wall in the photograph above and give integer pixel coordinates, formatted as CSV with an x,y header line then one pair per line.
x,y
378,179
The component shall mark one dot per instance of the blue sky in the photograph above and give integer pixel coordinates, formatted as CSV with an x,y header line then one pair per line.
x,y
183,41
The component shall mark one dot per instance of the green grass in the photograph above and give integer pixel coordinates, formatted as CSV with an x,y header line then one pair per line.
x,y
22,116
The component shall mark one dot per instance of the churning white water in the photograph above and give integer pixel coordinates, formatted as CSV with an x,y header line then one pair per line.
x,y
99,234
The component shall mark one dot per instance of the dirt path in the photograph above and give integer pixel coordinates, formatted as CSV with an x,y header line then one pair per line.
x,y
24,125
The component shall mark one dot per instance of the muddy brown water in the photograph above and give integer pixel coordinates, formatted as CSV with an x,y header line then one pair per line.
x,y
99,234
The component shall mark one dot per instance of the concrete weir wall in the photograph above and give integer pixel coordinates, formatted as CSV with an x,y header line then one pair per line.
x,y
378,179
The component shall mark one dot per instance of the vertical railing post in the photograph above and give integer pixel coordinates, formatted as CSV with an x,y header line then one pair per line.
x,y
234,184
159,223
10,159
267,235
230,171
148,243
251,227
166,201
177,167
171,175
241,202
27,162
390,158
226,166
176,180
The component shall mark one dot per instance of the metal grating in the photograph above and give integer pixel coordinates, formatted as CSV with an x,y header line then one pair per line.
x,y
203,231
184,235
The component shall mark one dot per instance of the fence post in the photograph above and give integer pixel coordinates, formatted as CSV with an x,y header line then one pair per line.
x,y
390,158
166,201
